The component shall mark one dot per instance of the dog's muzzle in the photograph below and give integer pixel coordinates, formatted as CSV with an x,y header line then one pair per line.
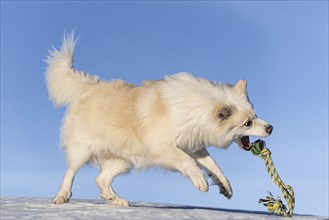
x,y
245,143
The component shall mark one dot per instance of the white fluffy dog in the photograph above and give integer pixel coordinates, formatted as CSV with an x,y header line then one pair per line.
x,y
166,123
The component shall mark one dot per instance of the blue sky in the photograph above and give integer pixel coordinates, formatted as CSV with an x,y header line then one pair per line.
x,y
280,47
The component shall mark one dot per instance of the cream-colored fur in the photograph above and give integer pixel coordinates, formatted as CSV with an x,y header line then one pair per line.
x,y
166,123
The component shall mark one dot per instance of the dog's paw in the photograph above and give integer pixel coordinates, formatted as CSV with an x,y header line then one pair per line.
x,y
119,202
225,189
224,186
200,182
60,200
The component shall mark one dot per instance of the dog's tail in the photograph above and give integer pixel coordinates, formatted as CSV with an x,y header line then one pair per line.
x,y
65,84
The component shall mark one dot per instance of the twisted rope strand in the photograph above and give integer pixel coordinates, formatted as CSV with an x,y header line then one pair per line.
x,y
274,205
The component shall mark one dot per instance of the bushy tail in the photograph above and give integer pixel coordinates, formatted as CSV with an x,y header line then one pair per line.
x,y
65,84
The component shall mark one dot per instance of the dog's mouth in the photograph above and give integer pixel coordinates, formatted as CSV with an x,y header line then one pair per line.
x,y
245,144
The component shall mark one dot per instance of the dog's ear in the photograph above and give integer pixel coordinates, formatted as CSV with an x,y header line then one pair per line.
x,y
224,112
241,87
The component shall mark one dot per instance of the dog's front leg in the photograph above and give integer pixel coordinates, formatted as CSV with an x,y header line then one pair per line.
x,y
173,158
205,161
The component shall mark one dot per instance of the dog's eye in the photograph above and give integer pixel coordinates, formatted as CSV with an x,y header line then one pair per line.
x,y
248,123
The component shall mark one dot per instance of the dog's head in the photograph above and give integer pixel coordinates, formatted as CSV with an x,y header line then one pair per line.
x,y
212,114
236,119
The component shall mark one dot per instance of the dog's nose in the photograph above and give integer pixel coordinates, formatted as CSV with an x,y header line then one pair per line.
x,y
269,129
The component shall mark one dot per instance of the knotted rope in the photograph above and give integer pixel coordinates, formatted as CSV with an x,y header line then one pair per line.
x,y
274,205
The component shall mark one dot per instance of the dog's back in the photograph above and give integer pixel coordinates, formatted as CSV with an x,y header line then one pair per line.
x,y
104,121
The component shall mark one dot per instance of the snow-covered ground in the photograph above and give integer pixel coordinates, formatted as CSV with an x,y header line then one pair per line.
x,y
40,208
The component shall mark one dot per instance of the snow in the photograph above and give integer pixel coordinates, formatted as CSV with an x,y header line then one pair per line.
x,y
42,208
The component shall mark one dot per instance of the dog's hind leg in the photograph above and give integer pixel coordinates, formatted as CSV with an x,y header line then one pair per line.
x,y
205,161
109,169
74,163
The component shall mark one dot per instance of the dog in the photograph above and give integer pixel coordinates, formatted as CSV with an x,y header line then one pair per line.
x,y
166,123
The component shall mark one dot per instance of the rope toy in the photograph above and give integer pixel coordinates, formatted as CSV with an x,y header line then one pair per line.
x,y
274,205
